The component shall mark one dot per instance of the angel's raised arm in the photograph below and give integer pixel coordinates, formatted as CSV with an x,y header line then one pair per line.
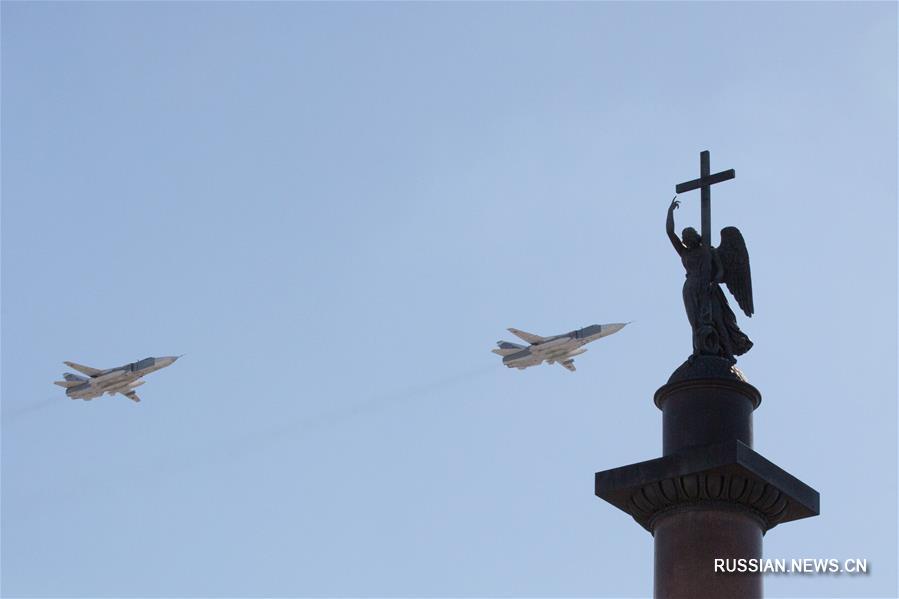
x,y
669,227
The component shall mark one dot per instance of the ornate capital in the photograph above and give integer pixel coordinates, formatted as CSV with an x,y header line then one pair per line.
x,y
702,491
725,476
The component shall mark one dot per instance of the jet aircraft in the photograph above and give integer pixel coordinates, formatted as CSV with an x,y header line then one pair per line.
x,y
558,349
122,379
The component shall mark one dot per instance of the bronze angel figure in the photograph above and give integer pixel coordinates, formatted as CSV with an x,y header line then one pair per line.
x,y
715,330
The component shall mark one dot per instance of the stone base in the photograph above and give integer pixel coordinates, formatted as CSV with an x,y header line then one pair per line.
x,y
706,411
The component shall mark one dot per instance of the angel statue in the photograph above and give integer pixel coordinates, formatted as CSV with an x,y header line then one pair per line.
x,y
715,330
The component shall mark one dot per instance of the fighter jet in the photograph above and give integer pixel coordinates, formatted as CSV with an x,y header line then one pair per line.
x,y
122,379
558,349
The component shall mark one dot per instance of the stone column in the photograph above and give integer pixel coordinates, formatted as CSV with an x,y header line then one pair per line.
x,y
709,496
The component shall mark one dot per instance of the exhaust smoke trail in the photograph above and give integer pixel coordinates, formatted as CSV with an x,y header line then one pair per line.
x,y
260,439
22,411
225,452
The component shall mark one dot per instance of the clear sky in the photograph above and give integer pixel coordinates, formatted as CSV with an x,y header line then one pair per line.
x,y
335,210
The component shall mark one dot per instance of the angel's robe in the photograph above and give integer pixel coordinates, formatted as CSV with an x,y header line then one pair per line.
x,y
698,292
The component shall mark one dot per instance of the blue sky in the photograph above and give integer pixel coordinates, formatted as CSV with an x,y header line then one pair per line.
x,y
335,210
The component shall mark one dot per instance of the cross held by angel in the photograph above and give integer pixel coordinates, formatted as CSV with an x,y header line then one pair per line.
x,y
714,325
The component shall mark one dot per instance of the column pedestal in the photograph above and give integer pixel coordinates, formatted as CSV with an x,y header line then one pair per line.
x,y
710,496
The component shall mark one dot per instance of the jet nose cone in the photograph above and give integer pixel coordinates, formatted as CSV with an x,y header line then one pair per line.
x,y
166,360
614,327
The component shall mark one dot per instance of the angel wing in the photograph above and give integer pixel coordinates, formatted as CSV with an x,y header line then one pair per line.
x,y
735,261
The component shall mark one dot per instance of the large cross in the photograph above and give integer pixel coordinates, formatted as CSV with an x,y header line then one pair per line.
x,y
705,182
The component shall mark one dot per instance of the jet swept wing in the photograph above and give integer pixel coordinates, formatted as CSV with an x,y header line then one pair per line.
x,y
83,369
529,337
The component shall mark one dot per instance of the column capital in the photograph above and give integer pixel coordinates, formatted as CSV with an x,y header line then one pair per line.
x,y
728,475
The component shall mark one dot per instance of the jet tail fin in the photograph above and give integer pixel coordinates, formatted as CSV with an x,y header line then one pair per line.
x,y
504,352
505,348
70,380
66,384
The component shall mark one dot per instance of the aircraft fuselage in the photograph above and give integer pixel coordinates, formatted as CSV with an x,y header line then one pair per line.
x,y
123,379
558,348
